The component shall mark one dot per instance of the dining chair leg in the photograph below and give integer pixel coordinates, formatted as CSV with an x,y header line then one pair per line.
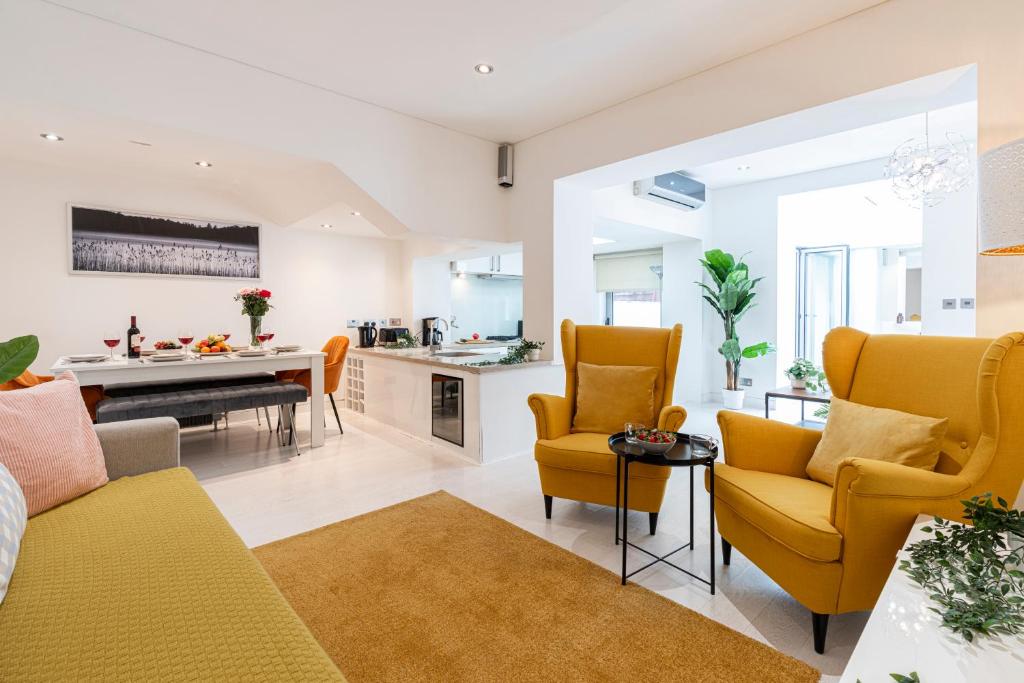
x,y
279,431
259,423
336,417
266,412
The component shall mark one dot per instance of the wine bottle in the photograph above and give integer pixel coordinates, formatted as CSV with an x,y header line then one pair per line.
x,y
134,342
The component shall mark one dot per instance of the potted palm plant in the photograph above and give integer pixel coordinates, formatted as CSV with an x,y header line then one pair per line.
x,y
731,297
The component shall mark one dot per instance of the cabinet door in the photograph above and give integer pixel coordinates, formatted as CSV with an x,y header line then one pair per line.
x,y
511,264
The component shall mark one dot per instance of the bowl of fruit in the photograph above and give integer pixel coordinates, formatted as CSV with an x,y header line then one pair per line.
x,y
654,440
213,344
166,346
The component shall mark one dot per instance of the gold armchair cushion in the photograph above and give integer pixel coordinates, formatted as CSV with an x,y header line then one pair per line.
x,y
860,431
609,396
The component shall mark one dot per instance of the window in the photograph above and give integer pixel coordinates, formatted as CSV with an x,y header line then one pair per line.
x,y
629,288
822,297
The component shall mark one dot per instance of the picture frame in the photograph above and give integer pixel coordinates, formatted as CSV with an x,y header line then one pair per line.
x,y
122,242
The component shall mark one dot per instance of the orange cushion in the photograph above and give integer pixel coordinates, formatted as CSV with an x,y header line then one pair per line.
x,y
609,396
48,443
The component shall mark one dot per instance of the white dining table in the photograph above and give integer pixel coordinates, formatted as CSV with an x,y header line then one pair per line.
x,y
122,370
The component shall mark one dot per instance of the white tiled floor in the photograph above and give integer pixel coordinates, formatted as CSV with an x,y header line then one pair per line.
x,y
268,494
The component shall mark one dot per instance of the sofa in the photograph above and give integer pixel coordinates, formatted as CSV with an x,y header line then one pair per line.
x,y
144,580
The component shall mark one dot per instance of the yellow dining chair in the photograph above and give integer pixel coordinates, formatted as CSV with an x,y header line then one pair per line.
x,y
336,349
578,465
832,547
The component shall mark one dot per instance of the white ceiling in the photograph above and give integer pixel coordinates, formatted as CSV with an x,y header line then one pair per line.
x,y
285,189
554,61
876,141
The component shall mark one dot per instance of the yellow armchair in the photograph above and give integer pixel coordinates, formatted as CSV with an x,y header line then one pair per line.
x,y
579,465
832,547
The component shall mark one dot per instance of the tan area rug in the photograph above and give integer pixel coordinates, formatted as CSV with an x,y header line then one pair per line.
x,y
437,589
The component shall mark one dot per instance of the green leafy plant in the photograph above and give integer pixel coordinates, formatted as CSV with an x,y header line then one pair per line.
x,y
731,297
16,355
405,341
971,572
807,371
527,345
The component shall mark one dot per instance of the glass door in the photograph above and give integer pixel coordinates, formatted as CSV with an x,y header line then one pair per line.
x,y
823,296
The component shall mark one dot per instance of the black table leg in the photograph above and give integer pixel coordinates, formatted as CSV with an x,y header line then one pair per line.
x,y
625,511
691,508
618,484
766,399
711,523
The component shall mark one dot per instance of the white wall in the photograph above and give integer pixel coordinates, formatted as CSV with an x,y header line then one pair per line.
x,y
681,303
947,271
878,47
318,280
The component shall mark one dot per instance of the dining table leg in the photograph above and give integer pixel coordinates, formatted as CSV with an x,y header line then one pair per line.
x,y
316,402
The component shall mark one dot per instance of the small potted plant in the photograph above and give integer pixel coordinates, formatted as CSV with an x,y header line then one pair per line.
x,y
531,349
803,374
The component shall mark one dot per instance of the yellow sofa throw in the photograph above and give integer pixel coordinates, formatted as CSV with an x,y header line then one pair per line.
x,y
858,431
609,396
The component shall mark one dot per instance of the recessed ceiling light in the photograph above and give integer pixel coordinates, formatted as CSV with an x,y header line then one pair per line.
x,y
52,137
203,164
743,167
356,213
602,240
141,143
483,68
326,225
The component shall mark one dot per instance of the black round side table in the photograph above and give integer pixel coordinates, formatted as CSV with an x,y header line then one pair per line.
x,y
680,455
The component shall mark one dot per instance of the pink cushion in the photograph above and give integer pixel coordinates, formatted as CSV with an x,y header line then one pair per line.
x,y
48,443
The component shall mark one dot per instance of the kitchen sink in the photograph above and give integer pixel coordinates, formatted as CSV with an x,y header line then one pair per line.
x,y
453,354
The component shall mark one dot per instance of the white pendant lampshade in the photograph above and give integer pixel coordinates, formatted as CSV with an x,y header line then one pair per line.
x,y
1001,200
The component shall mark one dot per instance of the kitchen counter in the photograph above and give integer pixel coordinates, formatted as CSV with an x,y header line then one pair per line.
x,y
475,353
477,413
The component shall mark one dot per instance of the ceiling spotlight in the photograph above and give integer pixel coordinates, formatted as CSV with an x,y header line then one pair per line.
x,y
326,225
203,164
356,213
52,137
743,167
483,68
602,240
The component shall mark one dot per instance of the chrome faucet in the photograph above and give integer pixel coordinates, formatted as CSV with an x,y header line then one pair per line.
x,y
434,348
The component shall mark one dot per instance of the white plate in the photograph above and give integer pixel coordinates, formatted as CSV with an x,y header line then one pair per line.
x,y
164,357
86,357
287,347
207,356
251,354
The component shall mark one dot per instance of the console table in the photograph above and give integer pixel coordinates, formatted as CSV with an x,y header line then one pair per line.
x,y
802,395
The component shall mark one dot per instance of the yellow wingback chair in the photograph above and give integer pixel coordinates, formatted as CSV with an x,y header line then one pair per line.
x,y
832,547
579,465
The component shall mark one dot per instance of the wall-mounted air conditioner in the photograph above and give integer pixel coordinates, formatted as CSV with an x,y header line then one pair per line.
x,y
675,189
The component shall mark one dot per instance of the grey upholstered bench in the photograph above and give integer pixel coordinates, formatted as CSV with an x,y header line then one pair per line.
x,y
191,401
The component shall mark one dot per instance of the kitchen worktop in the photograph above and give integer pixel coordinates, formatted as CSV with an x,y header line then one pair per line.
x,y
474,353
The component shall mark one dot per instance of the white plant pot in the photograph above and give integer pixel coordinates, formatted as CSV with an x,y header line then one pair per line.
x,y
533,354
733,398
798,383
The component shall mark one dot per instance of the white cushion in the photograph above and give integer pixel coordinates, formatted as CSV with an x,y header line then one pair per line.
x,y
13,519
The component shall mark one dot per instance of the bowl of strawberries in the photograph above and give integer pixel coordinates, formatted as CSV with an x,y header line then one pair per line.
x,y
653,440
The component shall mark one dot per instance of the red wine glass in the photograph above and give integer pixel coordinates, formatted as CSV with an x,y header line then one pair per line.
x,y
112,340
262,337
270,336
185,336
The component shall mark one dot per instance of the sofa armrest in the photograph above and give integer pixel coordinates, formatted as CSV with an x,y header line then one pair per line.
x,y
860,481
552,413
671,418
754,443
139,446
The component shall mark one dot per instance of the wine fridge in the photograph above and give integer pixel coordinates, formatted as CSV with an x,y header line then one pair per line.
x,y
447,408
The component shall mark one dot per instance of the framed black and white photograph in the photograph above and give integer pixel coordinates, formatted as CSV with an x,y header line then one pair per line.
x,y
111,241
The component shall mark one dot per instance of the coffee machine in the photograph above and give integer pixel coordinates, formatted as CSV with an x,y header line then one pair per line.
x,y
430,336
367,335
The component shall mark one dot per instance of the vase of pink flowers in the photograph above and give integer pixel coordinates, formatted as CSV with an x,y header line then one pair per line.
x,y
255,304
